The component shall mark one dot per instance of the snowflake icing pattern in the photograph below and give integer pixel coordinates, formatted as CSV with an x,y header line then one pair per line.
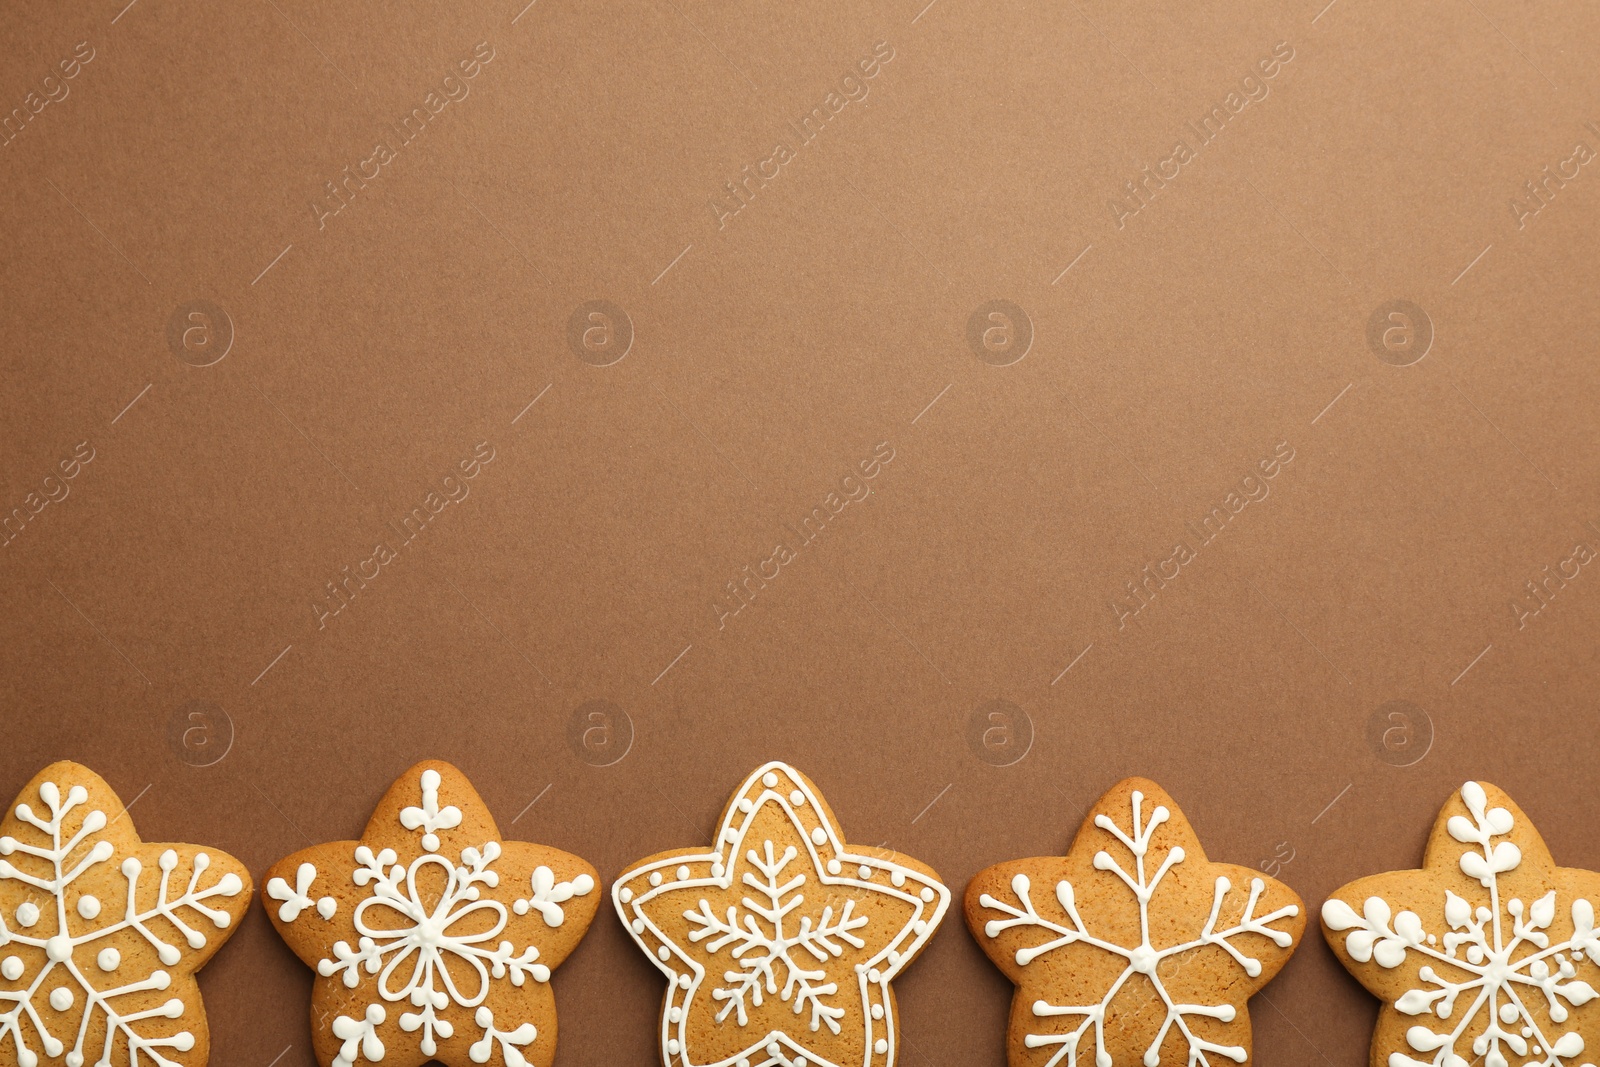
x,y
52,867
1141,959
431,955
780,941
762,945
1477,973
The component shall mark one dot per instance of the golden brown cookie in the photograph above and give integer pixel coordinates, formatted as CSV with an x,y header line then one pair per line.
x,y
101,933
779,941
432,937
1133,948
1485,955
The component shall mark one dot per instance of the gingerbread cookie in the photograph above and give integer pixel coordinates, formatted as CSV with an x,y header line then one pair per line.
x,y
432,937
101,933
1133,948
1485,955
779,941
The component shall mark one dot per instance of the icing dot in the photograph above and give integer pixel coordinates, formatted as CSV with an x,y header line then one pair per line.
x,y
683,872
797,798
875,975
1508,1013
769,779
865,872
717,870
730,835
673,1046
799,1061
664,953
626,895
877,1011
819,836
745,805
675,1014
11,968
430,841
88,906
834,866
655,877
898,878
638,926
683,980
920,927
744,1061
61,998
59,948
880,1046
894,957
108,959
27,914
927,895
772,1049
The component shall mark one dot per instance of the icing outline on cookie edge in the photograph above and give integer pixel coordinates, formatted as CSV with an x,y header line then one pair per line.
x,y
832,864
1380,936
60,949
426,932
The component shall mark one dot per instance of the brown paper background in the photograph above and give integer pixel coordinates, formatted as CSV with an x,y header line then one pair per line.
x,y
770,356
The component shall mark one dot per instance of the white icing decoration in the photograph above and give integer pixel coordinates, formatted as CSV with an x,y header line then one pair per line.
x,y
60,947
1144,958
430,817
298,899
774,923
430,948
360,1036
482,1049
549,895
1498,984
766,950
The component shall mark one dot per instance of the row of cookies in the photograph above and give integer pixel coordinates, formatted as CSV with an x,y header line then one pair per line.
x,y
435,938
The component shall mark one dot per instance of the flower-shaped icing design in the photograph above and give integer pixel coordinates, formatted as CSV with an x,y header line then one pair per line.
x,y
1488,954
433,938
101,933
779,941
1133,948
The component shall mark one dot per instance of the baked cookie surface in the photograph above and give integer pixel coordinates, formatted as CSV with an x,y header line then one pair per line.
x,y
1485,955
779,941
432,937
101,932
1133,948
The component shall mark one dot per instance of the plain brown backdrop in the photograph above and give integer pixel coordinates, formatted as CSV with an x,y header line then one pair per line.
x,y
181,573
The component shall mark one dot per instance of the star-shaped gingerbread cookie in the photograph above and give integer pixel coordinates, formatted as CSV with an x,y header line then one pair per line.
x,y
779,940
101,933
432,937
1485,955
1133,948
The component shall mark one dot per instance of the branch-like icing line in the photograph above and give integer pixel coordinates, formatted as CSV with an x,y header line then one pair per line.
x,y
1494,973
1142,958
60,949
429,816
407,931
